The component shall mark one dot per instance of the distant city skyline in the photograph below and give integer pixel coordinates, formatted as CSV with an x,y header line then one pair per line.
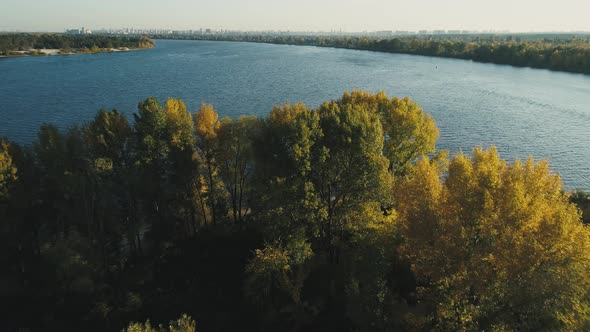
x,y
301,15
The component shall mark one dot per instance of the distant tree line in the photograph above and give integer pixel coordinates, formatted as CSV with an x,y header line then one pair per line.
x,y
339,218
68,43
555,52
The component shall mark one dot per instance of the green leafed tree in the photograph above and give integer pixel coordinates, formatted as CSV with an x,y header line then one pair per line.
x,y
278,269
150,128
350,170
236,162
109,136
409,132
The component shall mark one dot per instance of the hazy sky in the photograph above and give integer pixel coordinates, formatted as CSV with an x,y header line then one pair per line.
x,y
301,15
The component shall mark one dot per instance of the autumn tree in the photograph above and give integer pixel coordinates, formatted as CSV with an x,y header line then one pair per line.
x,y
7,169
183,176
495,246
183,324
179,125
211,189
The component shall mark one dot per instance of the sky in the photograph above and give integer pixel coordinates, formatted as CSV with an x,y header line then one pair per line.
x,y
297,15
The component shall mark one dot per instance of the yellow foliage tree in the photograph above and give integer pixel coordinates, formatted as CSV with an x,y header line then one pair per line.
x,y
206,128
495,246
7,169
184,324
179,124
282,115
206,122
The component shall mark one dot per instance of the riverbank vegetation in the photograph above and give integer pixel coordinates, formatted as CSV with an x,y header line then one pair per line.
x,y
343,218
555,52
16,44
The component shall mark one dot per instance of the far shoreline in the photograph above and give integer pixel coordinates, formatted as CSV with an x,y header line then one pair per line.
x,y
375,44
57,52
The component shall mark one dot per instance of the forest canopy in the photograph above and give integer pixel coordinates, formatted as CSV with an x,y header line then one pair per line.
x,y
342,217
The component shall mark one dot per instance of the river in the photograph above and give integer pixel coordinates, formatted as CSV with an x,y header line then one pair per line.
x,y
522,111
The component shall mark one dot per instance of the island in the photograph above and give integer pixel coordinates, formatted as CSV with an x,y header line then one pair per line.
x,y
30,44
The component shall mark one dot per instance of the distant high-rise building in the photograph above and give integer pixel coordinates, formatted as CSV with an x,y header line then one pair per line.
x,y
81,31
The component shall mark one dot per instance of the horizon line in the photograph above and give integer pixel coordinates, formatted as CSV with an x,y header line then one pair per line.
x,y
332,31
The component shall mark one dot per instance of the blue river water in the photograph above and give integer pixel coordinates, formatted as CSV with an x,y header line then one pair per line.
x,y
521,111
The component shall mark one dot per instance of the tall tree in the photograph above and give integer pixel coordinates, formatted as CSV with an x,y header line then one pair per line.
x,y
206,128
151,160
183,167
350,169
113,175
236,164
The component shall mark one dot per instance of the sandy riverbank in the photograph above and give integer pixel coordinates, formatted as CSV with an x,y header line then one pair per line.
x,y
49,51
55,51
